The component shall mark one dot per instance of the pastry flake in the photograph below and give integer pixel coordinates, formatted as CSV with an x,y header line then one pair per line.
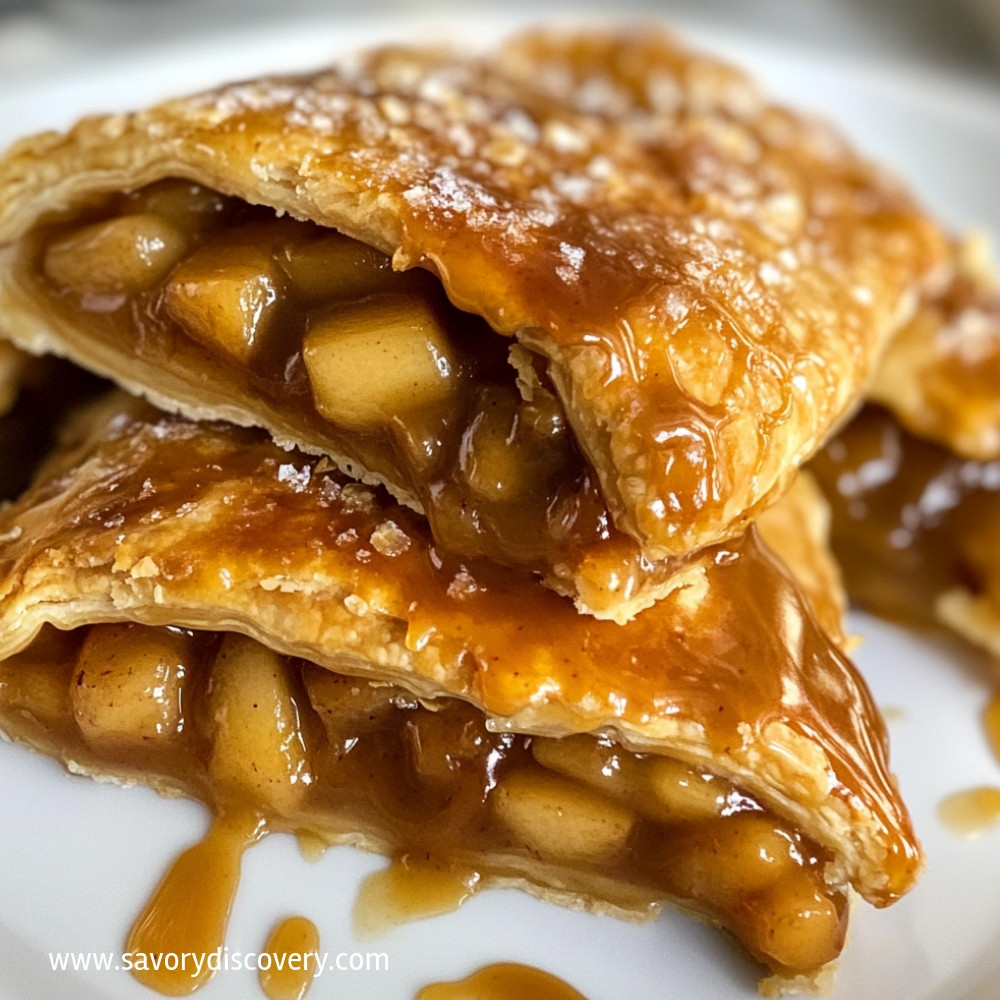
x,y
724,710
703,280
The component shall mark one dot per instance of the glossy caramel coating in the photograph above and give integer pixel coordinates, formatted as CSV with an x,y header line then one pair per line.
x,y
161,521
707,278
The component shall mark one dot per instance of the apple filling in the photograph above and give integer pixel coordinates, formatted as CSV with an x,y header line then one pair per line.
x,y
226,720
358,361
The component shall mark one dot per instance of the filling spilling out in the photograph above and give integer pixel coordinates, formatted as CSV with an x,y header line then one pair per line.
x,y
359,360
275,743
911,520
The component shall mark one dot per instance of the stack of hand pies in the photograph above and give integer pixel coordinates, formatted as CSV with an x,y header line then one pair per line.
x,y
448,499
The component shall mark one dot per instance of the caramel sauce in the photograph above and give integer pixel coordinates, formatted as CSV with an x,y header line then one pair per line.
x,y
971,813
291,973
503,981
409,889
907,515
311,847
189,911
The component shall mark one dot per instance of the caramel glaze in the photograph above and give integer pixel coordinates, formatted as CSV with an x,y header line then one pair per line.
x,y
908,516
203,523
502,981
411,887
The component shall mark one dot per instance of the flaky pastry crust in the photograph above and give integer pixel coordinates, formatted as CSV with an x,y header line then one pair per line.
x,y
157,520
708,279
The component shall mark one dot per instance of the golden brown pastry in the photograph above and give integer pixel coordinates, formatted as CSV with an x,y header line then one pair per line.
x,y
940,374
368,688
694,285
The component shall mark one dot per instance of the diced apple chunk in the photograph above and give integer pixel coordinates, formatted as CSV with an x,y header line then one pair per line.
x,y
127,254
560,820
381,357
792,924
336,267
494,460
724,861
259,747
128,684
34,684
348,706
189,206
660,788
442,744
227,298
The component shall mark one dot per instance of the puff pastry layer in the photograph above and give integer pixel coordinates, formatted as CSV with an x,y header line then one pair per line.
x,y
151,519
704,279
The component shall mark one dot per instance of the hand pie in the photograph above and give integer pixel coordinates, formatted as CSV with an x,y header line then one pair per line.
x,y
583,281
940,373
915,527
339,675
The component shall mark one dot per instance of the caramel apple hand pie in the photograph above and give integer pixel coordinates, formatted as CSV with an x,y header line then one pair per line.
x,y
587,302
249,626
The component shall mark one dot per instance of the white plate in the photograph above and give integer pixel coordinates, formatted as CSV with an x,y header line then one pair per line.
x,y
79,859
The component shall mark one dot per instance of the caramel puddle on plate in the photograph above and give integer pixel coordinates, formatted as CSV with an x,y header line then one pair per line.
x,y
503,981
408,889
294,948
189,910
972,812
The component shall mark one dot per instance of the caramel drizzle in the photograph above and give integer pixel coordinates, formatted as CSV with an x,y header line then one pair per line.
x,y
502,981
189,911
974,811
410,888
290,946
